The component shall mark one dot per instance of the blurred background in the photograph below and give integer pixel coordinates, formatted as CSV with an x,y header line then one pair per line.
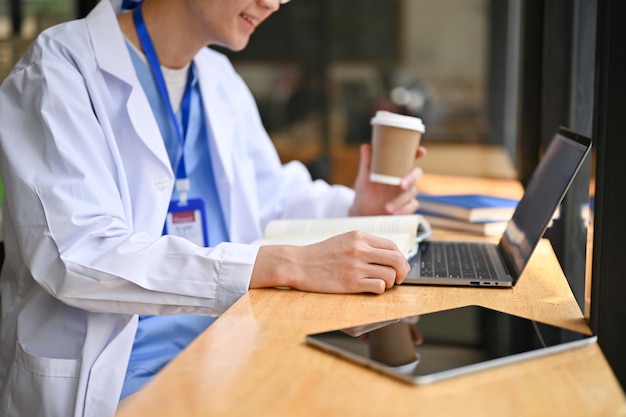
x,y
320,69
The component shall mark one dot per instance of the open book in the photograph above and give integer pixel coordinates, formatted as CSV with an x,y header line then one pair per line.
x,y
404,230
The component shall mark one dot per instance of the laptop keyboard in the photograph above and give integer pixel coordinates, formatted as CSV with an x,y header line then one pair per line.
x,y
456,260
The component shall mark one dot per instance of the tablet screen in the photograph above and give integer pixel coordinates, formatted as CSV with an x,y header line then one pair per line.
x,y
435,346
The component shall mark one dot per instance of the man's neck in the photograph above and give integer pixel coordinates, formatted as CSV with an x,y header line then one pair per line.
x,y
173,47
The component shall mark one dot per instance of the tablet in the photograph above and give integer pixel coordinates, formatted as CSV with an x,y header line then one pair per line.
x,y
445,344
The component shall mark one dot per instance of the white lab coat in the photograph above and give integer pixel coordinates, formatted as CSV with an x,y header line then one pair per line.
x,y
88,182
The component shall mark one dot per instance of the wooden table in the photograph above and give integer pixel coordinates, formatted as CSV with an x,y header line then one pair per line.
x,y
253,360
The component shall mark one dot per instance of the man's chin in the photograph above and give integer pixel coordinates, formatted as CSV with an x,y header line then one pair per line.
x,y
235,47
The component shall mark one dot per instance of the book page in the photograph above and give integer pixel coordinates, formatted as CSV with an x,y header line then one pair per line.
x,y
401,230
402,240
333,226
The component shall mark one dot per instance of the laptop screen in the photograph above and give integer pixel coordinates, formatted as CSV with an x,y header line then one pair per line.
x,y
543,194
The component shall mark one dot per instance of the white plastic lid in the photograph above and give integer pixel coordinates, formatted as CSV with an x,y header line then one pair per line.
x,y
388,118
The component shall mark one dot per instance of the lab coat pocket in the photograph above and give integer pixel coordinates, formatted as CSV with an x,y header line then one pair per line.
x,y
55,381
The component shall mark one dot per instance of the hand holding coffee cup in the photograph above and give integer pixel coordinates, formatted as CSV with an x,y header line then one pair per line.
x,y
395,141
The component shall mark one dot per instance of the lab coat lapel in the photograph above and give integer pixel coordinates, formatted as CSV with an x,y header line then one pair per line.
x,y
221,120
109,47
236,187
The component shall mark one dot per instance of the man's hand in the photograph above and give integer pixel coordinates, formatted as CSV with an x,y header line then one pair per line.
x,y
376,199
352,262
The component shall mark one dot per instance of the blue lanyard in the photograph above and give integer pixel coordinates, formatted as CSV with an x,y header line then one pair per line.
x,y
130,4
182,182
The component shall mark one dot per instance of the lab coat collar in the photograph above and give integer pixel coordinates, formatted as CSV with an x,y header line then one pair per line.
x,y
111,56
110,47
108,41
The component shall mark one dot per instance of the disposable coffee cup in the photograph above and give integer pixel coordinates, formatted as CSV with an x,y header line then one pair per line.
x,y
395,140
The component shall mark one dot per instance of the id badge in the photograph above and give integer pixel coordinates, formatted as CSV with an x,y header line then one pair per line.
x,y
187,221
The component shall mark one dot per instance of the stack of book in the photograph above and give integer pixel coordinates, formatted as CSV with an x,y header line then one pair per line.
x,y
475,213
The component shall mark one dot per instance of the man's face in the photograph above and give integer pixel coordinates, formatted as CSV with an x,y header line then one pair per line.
x,y
229,23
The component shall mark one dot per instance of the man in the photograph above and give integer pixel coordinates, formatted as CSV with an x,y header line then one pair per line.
x,y
113,126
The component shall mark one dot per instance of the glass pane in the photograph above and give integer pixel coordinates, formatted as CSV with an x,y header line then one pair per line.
x,y
319,70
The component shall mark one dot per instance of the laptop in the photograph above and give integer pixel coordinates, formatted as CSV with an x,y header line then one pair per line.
x,y
500,265
454,342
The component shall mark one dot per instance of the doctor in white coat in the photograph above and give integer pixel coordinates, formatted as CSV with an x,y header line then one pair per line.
x,y
88,184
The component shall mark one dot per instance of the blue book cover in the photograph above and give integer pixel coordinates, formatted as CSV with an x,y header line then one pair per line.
x,y
468,207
